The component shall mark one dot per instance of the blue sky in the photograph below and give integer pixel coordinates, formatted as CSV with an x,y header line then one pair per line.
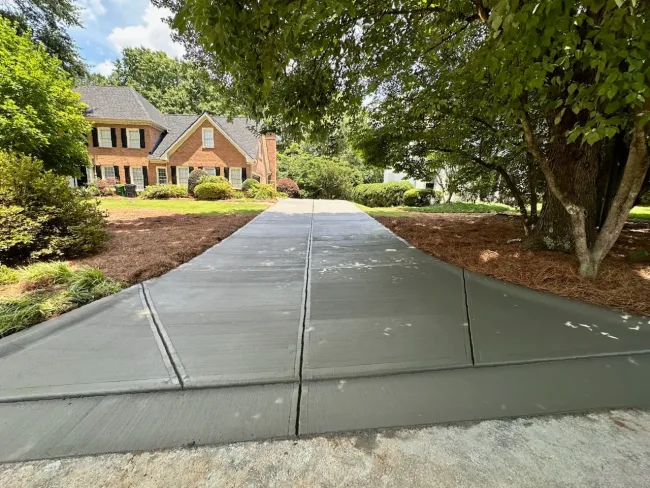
x,y
111,25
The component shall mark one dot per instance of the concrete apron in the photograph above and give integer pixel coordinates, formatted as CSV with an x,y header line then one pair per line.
x,y
312,318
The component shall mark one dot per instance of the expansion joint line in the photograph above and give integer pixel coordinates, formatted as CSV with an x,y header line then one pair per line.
x,y
469,324
304,314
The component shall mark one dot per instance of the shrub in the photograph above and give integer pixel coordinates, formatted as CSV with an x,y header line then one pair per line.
x,y
104,188
381,194
282,194
41,216
263,192
248,184
421,197
8,275
288,186
194,179
213,191
213,179
159,192
238,194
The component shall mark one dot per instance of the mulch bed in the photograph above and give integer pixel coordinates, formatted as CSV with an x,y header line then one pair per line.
x,y
149,243
480,243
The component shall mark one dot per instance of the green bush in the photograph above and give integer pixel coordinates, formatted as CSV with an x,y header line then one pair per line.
x,y
282,194
41,216
288,186
248,184
7,275
56,272
194,179
381,194
213,179
160,192
421,197
263,192
213,191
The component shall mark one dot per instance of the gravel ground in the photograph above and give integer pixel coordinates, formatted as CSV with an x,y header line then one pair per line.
x,y
608,450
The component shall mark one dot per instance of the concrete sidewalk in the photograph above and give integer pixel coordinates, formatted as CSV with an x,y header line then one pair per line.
x,y
313,318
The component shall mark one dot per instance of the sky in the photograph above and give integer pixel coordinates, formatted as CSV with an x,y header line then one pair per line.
x,y
111,25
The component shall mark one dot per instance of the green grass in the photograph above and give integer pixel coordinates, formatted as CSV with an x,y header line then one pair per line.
x,y
640,213
57,288
456,207
185,205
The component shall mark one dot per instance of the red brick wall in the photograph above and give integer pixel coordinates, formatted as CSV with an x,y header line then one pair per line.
x,y
271,152
192,153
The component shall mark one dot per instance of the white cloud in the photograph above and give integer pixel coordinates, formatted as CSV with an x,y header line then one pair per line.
x,y
104,68
153,33
91,9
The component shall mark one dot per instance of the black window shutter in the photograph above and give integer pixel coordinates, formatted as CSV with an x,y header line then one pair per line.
x,y
191,169
125,142
145,176
127,175
83,180
142,143
113,137
243,174
217,171
117,172
173,175
200,167
226,173
98,172
95,137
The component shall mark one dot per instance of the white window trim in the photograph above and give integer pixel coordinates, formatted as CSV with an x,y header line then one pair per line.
x,y
204,131
133,179
158,168
128,138
101,130
104,171
240,178
178,175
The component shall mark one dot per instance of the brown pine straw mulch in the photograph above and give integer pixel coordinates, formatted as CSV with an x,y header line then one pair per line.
x,y
146,243
480,243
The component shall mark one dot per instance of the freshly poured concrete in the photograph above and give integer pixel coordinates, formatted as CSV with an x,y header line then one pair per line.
x,y
109,346
312,318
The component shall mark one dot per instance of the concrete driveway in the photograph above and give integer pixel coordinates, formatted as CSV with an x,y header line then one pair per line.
x,y
313,318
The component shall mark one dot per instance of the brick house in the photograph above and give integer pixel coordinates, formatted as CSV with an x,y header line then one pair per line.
x,y
135,143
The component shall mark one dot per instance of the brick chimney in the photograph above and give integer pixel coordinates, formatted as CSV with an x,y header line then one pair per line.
x,y
271,154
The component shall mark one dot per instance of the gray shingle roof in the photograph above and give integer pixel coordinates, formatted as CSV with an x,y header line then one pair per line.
x,y
118,102
123,102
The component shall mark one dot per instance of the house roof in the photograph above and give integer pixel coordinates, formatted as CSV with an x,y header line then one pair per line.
x,y
119,102
124,103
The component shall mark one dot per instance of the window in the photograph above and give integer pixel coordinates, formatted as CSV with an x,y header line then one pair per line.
x,y
235,178
208,137
104,137
133,138
137,177
161,172
211,171
183,175
108,172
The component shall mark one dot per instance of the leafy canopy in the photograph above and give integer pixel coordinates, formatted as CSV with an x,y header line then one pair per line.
x,y
40,114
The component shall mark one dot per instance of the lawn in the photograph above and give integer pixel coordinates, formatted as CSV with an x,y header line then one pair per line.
x,y
640,213
184,205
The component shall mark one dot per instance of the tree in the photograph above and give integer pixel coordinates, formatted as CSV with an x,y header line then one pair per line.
x,y
572,75
40,114
48,21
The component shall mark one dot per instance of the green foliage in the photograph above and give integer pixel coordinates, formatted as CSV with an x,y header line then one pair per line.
x,y
58,288
318,176
288,186
421,197
41,216
213,179
8,275
248,184
381,194
263,192
153,192
213,191
194,179
40,114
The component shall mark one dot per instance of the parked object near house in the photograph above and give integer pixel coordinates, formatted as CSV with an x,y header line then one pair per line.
x,y
134,143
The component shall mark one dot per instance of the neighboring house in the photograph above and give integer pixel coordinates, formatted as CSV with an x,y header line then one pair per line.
x,y
135,143
391,175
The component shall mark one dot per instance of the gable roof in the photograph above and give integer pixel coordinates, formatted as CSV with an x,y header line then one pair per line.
x,y
119,102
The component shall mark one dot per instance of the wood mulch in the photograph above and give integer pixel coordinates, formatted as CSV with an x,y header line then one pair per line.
x,y
146,243
480,243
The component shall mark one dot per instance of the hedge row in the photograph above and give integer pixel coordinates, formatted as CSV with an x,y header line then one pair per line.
x,y
381,194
